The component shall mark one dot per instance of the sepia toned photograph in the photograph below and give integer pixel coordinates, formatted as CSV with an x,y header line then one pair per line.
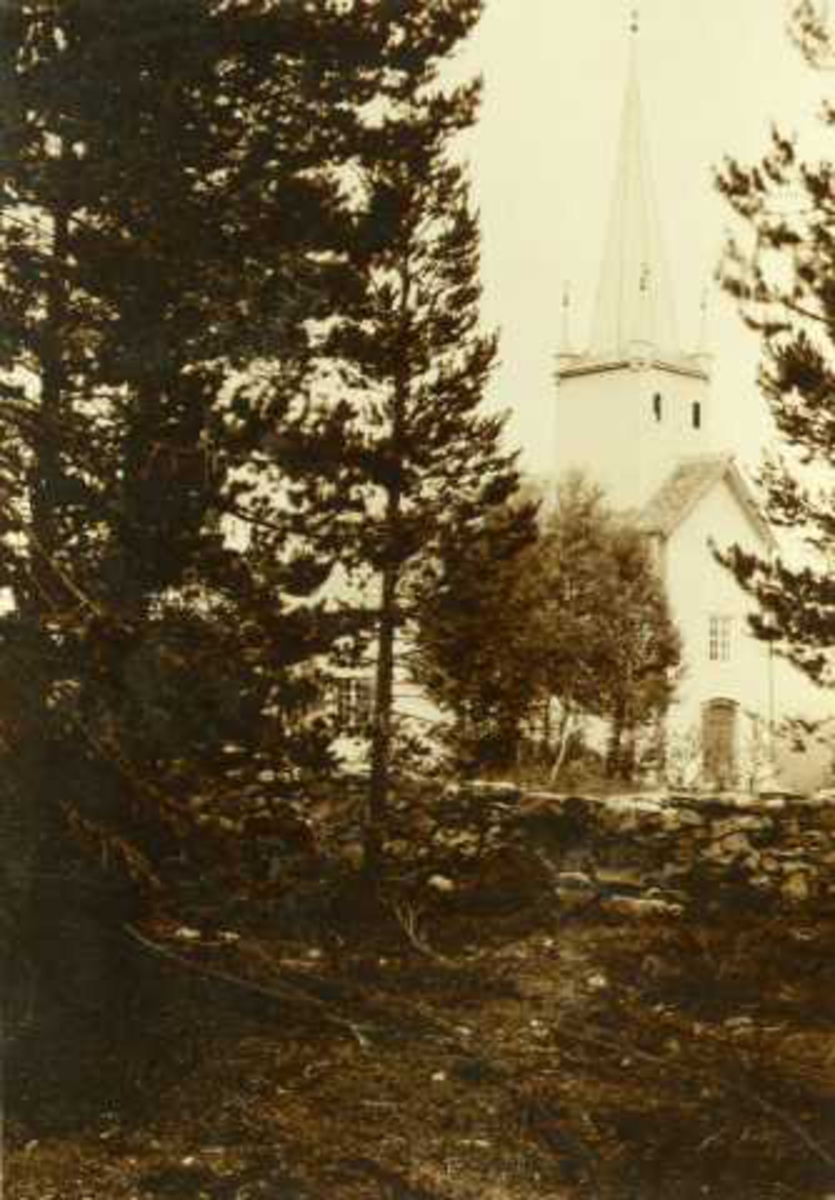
x,y
417,600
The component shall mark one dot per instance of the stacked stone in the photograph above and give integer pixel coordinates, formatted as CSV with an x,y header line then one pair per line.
x,y
780,846
644,850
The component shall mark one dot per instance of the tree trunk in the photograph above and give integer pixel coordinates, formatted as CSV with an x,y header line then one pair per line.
x,y
30,824
388,621
566,728
48,592
613,753
380,781
628,756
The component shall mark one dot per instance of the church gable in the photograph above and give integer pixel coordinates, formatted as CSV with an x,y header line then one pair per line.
x,y
689,483
680,492
701,507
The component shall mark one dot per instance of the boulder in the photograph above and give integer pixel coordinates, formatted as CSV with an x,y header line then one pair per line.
x,y
728,848
748,822
796,887
642,907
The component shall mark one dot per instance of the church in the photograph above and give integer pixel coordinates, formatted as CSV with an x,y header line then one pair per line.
x,y
633,413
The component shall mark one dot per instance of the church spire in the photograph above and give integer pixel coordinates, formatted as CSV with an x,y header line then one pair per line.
x,y
634,309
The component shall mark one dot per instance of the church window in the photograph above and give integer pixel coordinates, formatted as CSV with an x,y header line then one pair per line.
x,y
697,415
719,638
656,406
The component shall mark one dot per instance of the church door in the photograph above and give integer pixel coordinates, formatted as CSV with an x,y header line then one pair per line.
x,y
719,742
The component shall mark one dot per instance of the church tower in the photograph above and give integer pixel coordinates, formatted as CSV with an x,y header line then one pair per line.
x,y
633,402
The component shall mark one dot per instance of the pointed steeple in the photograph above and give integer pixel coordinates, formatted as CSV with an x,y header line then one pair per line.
x,y
634,311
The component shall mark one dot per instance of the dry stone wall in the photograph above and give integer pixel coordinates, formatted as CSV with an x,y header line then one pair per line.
x,y
657,852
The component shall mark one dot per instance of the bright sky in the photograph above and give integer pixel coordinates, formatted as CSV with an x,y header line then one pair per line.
x,y
714,76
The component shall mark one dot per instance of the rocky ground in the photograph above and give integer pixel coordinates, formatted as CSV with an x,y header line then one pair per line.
x,y
489,1027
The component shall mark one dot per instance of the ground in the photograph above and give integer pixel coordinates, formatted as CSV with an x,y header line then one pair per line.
x,y
483,1043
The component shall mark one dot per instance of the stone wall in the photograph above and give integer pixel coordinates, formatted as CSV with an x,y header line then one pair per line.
x,y
669,850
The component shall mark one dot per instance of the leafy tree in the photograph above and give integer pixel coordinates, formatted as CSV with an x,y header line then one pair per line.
x,y
640,665
578,619
780,268
574,562
610,647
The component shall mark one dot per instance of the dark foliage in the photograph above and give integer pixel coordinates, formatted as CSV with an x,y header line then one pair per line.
x,y
429,463
780,269
179,241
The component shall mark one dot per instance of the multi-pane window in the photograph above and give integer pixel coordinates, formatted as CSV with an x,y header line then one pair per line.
x,y
354,704
719,638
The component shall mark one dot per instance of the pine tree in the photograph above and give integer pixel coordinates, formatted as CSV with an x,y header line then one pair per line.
x,y
176,235
477,647
430,462
780,269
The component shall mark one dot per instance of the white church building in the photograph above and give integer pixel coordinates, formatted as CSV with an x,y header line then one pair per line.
x,y
634,413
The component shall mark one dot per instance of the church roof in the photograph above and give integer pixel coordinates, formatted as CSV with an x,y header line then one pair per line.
x,y
690,480
634,300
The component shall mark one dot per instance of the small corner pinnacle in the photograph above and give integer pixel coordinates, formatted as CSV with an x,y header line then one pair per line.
x,y
704,317
566,319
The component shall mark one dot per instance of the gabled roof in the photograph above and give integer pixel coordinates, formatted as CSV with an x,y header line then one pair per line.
x,y
690,480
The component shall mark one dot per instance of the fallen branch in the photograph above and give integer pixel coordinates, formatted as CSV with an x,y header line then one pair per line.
x,y
321,995
305,992
408,918
253,999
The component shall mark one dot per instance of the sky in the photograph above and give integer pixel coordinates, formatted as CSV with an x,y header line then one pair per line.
x,y
714,77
